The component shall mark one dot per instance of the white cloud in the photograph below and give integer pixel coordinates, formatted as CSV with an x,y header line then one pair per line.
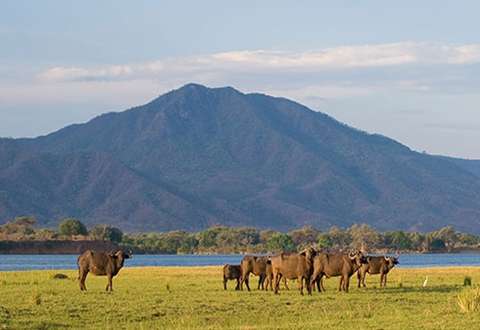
x,y
261,61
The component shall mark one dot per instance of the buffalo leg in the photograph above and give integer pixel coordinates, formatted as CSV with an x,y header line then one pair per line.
x,y
309,286
347,283
359,278
261,281
81,277
285,284
340,284
247,280
109,285
237,287
313,279
277,277
224,283
300,285
322,281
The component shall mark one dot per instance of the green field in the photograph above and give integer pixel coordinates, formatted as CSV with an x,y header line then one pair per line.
x,y
188,298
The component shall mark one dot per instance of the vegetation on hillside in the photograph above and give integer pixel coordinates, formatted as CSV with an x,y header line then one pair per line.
x,y
221,239
198,156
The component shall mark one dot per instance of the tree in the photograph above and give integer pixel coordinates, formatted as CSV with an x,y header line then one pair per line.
x,y
447,234
280,242
437,244
398,240
418,241
22,226
324,241
72,227
364,237
106,233
339,238
304,236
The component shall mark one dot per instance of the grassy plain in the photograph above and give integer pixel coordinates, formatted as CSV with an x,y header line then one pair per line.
x,y
193,298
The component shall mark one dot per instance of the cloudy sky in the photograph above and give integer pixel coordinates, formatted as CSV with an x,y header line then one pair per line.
x,y
409,71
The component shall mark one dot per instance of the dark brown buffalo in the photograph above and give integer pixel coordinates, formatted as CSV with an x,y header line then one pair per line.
x,y
100,263
343,265
232,272
294,266
269,278
376,265
255,265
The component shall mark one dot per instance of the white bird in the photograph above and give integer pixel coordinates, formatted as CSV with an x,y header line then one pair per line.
x,y
425,282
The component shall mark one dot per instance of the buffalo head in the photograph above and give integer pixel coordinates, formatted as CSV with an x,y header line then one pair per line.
x,y
357,258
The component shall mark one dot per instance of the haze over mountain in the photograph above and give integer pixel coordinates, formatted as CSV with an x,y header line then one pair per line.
x,y
199,156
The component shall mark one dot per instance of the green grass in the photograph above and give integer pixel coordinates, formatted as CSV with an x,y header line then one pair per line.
x,y
187,298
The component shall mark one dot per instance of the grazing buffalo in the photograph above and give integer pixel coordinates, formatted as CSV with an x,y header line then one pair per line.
x,y
376,265
294,266
343,265
269,278
232,272
255,265
100,263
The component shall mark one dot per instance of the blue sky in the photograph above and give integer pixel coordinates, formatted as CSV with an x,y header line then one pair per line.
x,y
410,71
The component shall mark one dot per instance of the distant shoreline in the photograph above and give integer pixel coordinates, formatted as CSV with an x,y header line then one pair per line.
x,y
74,247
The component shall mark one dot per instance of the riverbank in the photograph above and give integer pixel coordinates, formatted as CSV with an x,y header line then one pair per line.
x,y
54,246
76,247
193,298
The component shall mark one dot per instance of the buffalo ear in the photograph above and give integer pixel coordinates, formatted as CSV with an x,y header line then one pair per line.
x,y
303,253
255,258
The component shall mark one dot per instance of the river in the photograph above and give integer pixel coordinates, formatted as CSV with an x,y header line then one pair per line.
x,y
39,262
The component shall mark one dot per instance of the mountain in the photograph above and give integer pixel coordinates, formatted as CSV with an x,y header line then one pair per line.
x,y
199,156
471,165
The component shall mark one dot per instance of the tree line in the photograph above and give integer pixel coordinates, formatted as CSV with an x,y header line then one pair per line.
x,y
221,239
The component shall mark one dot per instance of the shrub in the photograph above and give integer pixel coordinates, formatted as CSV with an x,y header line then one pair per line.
x,y
469,300
106,233
467,281
280,242
72,227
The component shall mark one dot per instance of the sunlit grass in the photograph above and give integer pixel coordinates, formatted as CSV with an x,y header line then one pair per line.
x,y
193,297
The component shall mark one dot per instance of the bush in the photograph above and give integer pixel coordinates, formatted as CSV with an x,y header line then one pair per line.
x,y
72,227
106,233
469,300
467,281
280,242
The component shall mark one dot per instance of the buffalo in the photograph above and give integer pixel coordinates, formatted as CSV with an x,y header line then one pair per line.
x,y
269,278
329,265
376,265
100,263
255,265
294,266
232,272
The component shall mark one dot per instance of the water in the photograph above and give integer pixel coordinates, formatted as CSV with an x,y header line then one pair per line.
x,y
38,262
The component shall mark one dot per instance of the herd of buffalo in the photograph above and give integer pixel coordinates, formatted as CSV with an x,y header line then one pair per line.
x,y
308,267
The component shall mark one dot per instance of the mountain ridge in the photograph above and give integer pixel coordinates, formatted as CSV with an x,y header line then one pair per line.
x,y
219,156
